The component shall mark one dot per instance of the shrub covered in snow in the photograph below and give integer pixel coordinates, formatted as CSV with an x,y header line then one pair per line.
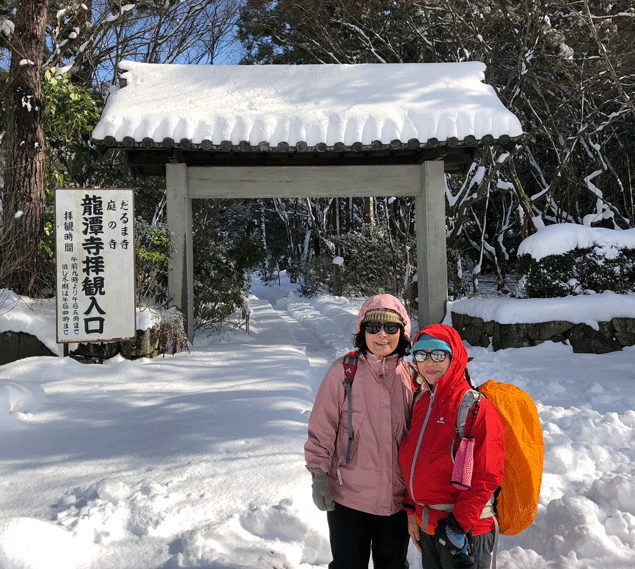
x,y
569,259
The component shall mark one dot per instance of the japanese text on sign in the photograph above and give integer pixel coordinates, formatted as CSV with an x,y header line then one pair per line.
x,y
95,264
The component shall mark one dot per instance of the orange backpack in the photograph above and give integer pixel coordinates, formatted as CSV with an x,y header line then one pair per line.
x,y
517,501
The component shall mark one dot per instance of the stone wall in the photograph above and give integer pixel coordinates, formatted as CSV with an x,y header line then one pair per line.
x,y
17,345
98,352
612,335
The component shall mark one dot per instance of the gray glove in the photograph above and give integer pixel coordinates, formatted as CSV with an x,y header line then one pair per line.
x,y
322,491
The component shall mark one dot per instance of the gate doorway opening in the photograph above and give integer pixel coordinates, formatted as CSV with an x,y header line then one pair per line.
x,y
425,182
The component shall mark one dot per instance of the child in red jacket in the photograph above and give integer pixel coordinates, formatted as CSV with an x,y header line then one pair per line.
x,y
452,528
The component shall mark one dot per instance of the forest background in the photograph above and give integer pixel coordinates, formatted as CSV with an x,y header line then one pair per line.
x,y
566,69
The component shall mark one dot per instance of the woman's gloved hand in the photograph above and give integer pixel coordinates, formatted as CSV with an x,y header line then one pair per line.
x,y
322,491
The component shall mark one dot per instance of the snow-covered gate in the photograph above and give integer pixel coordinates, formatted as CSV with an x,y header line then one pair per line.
x,y
306,131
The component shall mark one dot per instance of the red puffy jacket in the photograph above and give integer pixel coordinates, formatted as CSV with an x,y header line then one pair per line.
x,y
427,465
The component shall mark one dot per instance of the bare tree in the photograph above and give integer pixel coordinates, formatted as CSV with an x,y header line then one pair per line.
x,y
97,35
566,68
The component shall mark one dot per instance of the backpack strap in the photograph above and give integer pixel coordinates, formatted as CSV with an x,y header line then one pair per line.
x,y
469,403
350,368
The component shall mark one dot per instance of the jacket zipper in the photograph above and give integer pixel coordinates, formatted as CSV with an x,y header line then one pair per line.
x,y
416,453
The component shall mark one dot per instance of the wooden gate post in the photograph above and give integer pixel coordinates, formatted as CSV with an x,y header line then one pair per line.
x,y
179,214
432,274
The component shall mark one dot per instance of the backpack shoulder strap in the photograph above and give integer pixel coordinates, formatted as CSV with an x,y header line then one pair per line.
x,y
469,403
350,368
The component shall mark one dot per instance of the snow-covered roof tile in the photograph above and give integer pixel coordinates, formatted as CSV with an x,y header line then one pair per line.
x,y
304,106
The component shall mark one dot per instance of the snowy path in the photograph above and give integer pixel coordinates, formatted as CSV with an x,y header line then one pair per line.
x,y
129,453
196,460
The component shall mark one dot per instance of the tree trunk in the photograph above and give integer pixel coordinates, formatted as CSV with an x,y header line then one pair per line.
x,y
23,201
83,74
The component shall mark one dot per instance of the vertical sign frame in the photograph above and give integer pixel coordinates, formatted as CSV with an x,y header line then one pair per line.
x,y
95,265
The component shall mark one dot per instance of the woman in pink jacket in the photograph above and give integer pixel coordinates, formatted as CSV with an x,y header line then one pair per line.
x,y
360,483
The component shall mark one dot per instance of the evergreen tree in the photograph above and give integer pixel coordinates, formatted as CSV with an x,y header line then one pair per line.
x,y
24,196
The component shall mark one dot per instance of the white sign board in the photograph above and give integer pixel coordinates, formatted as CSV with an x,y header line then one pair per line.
x,y
95,250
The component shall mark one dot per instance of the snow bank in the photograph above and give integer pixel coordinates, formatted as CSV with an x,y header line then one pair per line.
x,y
561,238
586,309
27,543
31,316
18,397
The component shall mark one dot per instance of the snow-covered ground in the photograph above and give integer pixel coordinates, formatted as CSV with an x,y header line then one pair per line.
x,y
197,460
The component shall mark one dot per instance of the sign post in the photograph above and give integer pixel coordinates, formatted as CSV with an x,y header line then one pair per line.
x,y
95,261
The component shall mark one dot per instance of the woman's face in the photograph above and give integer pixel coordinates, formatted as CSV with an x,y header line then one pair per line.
x,y
382,343
432,371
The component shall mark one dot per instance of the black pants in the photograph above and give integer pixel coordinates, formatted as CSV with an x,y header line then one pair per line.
x,y
354,535
435,556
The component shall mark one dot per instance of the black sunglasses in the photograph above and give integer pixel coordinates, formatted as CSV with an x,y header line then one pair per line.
x,y
375,327
435,356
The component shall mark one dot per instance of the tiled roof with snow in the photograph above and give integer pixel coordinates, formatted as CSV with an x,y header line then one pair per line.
x,y
217,107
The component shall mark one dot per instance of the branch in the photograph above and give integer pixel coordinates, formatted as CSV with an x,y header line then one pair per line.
x,y
605,57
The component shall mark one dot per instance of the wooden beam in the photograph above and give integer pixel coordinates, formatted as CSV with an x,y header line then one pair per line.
x,y
303,181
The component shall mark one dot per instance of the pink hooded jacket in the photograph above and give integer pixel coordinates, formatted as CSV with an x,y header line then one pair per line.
x,y
382,400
